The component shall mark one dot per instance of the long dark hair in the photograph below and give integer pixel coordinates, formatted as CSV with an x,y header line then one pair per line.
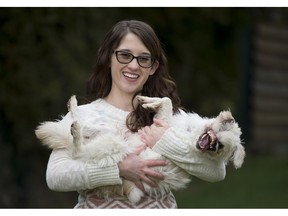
x,y
160,84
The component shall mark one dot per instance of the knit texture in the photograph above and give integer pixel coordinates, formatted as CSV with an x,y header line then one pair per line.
x,y
67,174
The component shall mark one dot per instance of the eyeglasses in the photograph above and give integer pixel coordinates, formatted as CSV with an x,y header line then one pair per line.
x,y
144,61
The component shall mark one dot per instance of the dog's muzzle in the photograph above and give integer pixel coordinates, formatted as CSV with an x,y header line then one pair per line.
x,y
209,142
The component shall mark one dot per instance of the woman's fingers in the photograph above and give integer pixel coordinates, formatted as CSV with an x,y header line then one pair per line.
x,y
154,163
160,123
148,181
154,174
146,129
151,177
139,149
140,171
139,185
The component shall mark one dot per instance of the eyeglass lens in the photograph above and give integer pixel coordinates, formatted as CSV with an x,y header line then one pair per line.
x,y
126,57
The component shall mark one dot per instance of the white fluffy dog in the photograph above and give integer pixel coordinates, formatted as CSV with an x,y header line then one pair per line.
x,y
85,143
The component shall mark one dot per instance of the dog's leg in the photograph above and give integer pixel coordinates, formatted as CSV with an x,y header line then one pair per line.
x,y
133,193
76,129
162,106
72,107
77,137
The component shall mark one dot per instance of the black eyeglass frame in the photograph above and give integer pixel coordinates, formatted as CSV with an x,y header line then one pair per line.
x,y
133,57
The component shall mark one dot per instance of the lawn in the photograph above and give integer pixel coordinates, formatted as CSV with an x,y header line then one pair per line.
x,y
260,183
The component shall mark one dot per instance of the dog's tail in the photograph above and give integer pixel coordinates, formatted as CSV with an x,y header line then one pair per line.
x,y
54,135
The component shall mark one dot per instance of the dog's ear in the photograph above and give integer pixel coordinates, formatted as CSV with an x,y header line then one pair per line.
x,y
238,156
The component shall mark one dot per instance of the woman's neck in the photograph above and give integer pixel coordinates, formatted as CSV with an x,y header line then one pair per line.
x,y
120,101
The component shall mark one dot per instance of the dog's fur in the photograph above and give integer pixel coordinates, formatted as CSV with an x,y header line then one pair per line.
x,y
93,143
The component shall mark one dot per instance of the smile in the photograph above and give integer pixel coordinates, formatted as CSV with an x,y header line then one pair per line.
x,y
130,76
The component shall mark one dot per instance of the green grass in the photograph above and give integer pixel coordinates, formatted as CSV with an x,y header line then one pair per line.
x,y
260,183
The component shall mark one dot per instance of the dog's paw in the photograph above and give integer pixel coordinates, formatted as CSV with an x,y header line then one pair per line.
x,y
153,103
72,103
162,106
135,195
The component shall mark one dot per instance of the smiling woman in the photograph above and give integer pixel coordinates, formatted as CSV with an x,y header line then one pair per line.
x,y
129,78
127,36
130,62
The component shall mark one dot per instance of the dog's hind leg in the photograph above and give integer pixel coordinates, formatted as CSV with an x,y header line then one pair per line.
x,y
72,107
76,130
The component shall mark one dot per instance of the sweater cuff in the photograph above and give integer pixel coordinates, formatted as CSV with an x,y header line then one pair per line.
x,y
103,176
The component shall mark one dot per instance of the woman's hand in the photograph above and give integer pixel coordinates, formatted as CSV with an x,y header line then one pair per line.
x,y
136,169
151,135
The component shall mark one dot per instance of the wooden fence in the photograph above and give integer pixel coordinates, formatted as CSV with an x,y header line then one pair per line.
x,y
269,89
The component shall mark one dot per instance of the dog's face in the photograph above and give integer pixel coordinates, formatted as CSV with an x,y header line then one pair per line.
x,y
226,143
232,148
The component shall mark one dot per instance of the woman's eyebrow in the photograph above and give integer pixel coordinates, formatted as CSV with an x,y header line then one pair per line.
x,y
128,50
125,50
146,53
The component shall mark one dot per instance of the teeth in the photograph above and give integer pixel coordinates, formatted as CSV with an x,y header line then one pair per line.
x,y
131,76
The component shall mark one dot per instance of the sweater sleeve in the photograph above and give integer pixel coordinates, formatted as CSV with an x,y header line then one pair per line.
x,y
178,146
66,174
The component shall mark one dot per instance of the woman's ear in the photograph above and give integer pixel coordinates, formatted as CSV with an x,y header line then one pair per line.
x,y
154,68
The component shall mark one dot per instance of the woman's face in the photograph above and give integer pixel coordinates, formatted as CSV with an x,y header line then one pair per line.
x,y
129,78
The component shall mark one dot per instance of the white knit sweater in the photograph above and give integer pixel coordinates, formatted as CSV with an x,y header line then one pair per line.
x,y
66,174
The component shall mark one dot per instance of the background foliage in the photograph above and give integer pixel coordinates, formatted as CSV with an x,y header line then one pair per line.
x,y
46,55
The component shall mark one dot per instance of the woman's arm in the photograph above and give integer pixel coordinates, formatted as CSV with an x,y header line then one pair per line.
x,y
180,147
66,174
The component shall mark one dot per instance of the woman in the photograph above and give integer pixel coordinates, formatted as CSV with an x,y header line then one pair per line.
x,y
130,61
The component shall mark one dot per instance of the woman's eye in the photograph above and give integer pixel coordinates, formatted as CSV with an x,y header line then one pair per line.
x,y
125,55
144,59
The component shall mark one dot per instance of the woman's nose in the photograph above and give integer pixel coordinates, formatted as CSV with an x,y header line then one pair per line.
x,y
133,64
